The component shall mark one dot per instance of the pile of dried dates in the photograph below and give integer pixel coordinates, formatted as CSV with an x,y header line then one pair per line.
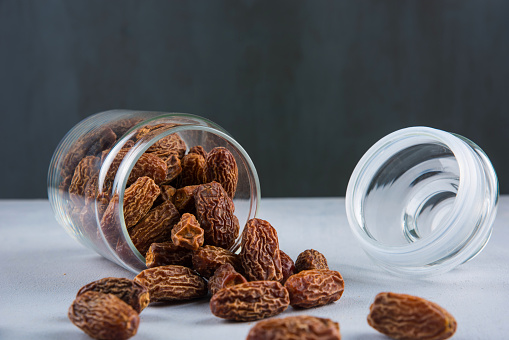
x,y
179,212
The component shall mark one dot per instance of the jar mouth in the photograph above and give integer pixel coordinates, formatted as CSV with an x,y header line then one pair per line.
x,y
187,125
417,198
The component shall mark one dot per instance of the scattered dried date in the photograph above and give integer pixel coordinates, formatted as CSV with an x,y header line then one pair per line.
x,y
408,317
104,316
222,168
208,258
214,211
166,253
132,293
313,288
187,233
295,328
224,276
287,266
259,252
250,301
172,283
310,259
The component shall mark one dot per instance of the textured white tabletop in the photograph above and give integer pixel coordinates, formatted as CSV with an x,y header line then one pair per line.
x,y
42,268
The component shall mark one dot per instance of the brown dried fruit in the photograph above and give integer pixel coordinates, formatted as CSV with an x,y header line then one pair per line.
x,y
104,316
166,253
313,288
194,170
198,149
295,328
225,276
184,199
402,316
138,199
287,266
259,252
250,301
169,144
172,283
167,192
208,258
214,211
174,167
155,226
222,168
132,293
310,259
187,233
89,145
87,168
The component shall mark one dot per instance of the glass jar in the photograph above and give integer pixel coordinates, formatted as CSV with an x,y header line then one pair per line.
x,y
90,171
421,201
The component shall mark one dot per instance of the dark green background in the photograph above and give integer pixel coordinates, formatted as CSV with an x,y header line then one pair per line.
x,y
305,86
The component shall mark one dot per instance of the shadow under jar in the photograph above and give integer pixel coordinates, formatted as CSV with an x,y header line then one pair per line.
x,y
421,201
92,168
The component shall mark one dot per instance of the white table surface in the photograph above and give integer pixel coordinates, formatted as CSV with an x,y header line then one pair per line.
x,y
42,268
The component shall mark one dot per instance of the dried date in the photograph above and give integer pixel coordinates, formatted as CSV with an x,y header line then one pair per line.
x,y
214,211
208,258
287,266
250,301
259,252
84,173
172,283
155,226
132,293
184,199
174,168
187,233
403,316
222,168
194,170
166,253
104,316
310,259
295,328
313,288
224,276
198,149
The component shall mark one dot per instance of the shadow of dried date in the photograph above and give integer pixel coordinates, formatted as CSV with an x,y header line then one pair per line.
x,y
295,328
250,301
403,316
104,316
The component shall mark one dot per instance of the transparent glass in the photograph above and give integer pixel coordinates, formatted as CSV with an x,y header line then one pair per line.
x,y
421,201
79,203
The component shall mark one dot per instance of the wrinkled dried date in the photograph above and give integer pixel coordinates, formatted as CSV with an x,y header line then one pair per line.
x,y
224,276
174,168
172,283
84,173
184,199
287,266
214,211
403,316
250,301
222,168
198,149
208,258
310,259
259,252
313,288
104,316
154,227
132,293
187,233
166,253
194,170
138,199
295,328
